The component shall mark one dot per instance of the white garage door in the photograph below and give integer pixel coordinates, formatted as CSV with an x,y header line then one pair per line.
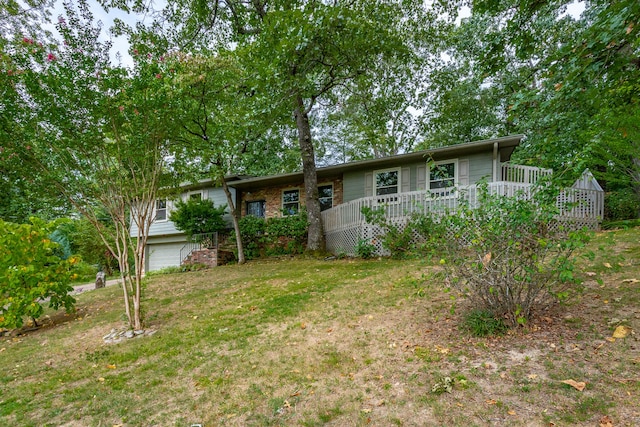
x,y
161,255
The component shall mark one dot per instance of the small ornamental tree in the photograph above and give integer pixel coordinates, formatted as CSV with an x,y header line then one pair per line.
x,y
198,216
31,272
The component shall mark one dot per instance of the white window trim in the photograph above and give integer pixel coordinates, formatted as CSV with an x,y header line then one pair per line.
x,y
166,210
328,184
187,196
376,172
430,167
282,199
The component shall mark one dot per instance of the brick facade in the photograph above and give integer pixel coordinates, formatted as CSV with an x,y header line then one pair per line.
x,y
273,196
209,257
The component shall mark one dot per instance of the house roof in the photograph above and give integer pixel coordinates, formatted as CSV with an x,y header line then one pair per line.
x,y
505,146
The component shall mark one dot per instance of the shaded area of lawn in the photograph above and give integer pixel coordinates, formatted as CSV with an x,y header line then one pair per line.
x,y
347,342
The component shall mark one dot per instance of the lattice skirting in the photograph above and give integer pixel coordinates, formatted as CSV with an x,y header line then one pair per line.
x,y
345,240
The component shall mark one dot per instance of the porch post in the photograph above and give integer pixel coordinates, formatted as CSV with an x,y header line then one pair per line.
x,y
496,162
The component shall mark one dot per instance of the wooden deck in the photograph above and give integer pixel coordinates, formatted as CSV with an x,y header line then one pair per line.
x,y
345,224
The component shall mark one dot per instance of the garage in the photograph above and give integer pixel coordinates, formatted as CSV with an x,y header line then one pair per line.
x,y
161,255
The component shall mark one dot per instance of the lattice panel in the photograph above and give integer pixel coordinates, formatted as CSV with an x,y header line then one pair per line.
x,y
346,240
343,241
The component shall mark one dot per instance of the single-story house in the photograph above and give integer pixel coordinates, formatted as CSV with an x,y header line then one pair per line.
x,y
398,183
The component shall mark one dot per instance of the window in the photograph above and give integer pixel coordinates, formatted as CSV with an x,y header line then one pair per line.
x,y
256,208
291,201
325,194
386,182
195,196
442,176
161,210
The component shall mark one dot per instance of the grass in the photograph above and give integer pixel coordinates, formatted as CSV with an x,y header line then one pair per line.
x,y
306,342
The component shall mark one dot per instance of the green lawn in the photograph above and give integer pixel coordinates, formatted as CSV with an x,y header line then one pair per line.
x,y
342,343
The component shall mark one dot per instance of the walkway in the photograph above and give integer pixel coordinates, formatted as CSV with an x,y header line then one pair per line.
x,y
78,289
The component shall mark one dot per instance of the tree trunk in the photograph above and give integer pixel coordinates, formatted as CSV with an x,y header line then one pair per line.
x,y
234,219
315,240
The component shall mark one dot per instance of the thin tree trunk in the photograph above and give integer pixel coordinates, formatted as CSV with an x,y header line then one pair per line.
x,y
315,240
234,219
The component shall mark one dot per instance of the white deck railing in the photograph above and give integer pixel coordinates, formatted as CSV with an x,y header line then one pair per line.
x,y
523,174
344,224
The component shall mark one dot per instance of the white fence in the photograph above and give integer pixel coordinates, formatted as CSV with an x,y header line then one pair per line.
x,y
345,224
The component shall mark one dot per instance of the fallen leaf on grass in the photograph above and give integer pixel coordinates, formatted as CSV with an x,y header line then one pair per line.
x,y
606,264
111,366
621,331
606,421
366,411
511,412
591,273
532,376
491,402
575,384
630,281
486,259
610,339
101,379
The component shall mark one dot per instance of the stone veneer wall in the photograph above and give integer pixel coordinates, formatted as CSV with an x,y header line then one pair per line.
x,y
273,196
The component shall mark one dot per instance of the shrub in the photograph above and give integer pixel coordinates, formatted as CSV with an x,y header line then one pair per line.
x,y
621,204
286,235
252,229
397,239
275,236
508,255
30,271
365,249
198,216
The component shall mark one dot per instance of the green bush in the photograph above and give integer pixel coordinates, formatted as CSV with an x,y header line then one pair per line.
x,y
620,205
508,255
365,249
275,236
30,272
252,231
286,235
198,216
397,239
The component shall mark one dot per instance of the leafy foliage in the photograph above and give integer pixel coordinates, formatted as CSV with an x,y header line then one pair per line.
x,y
482,323
30,271
508,255
621,204
365,249
198,216
570,83
252,229
274,236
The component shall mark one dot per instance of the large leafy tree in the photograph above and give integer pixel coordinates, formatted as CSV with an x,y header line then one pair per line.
x,y
99,135
299,54
568,82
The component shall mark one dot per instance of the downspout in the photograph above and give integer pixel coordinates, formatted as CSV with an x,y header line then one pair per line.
x,y
495,162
